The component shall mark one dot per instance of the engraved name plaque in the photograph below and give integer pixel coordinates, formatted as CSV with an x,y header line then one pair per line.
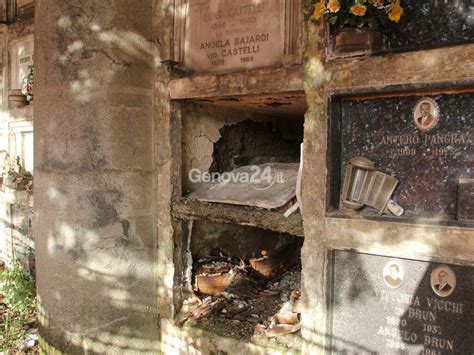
x,y
425,141
382,305
225,35
21,61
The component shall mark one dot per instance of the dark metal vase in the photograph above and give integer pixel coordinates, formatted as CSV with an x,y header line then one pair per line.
x,y
352,39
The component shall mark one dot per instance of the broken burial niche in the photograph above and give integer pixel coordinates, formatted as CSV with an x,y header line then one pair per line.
x,y
254,164
244,281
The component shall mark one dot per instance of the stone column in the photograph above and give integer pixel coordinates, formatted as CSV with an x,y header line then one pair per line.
x,y
95,176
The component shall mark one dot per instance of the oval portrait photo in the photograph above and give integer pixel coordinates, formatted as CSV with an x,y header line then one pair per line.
x,y
426,114
393,274
443,281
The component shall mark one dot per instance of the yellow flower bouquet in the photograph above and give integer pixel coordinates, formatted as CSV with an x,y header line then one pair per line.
x,y
358,13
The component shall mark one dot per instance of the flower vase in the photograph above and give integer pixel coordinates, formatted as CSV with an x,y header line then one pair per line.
x,y
357,39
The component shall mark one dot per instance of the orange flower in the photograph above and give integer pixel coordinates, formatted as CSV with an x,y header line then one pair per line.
x,y
334,5
395,12
318,9
358,10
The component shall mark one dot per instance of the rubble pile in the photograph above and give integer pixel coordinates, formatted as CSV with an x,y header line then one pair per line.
x,y
244,300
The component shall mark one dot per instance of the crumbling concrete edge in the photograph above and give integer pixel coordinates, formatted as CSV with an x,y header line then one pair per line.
x,y
191,339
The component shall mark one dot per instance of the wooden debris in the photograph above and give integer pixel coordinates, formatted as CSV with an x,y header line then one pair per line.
x,y
202,310
282,329
273,264
213,284
206,308
236,292
219,277
181,318
242,285
287,318
244,308
213,276
287,314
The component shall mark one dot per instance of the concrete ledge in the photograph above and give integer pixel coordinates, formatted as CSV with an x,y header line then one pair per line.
x,y
186,340
248,216
242,83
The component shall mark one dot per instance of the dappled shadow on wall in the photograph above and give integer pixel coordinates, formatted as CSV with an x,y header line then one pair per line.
x,y
96,257
96,273
83,38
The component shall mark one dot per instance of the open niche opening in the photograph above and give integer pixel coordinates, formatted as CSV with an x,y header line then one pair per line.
x,y
241,157
241,282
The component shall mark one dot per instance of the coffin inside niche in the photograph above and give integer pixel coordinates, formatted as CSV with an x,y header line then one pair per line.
x,y
241,157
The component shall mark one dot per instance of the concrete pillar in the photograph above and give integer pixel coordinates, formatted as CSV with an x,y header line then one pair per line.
x,y
95,176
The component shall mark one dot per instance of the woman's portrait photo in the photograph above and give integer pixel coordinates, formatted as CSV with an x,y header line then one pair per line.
x,y
393,274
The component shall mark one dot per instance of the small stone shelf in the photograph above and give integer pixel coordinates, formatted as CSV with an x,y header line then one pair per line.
x,y
405,219
249,216
256,82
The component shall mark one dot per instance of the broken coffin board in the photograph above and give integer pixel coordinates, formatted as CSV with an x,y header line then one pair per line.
x,y
268,186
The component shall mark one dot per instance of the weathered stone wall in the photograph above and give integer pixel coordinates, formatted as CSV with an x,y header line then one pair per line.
x,y
96,176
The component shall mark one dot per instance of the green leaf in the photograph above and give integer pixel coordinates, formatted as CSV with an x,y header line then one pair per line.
x,y
333,20
350,21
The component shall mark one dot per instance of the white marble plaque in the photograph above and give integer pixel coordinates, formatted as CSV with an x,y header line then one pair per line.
x,y
231,35
21,61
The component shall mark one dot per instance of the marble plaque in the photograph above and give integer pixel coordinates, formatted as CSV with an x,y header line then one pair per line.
x,y
426,142
21,61
382,305
466,200
222,35
424,25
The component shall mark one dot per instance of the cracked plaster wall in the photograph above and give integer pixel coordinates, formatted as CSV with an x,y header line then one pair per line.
x,y
95,176
201,130
199,134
